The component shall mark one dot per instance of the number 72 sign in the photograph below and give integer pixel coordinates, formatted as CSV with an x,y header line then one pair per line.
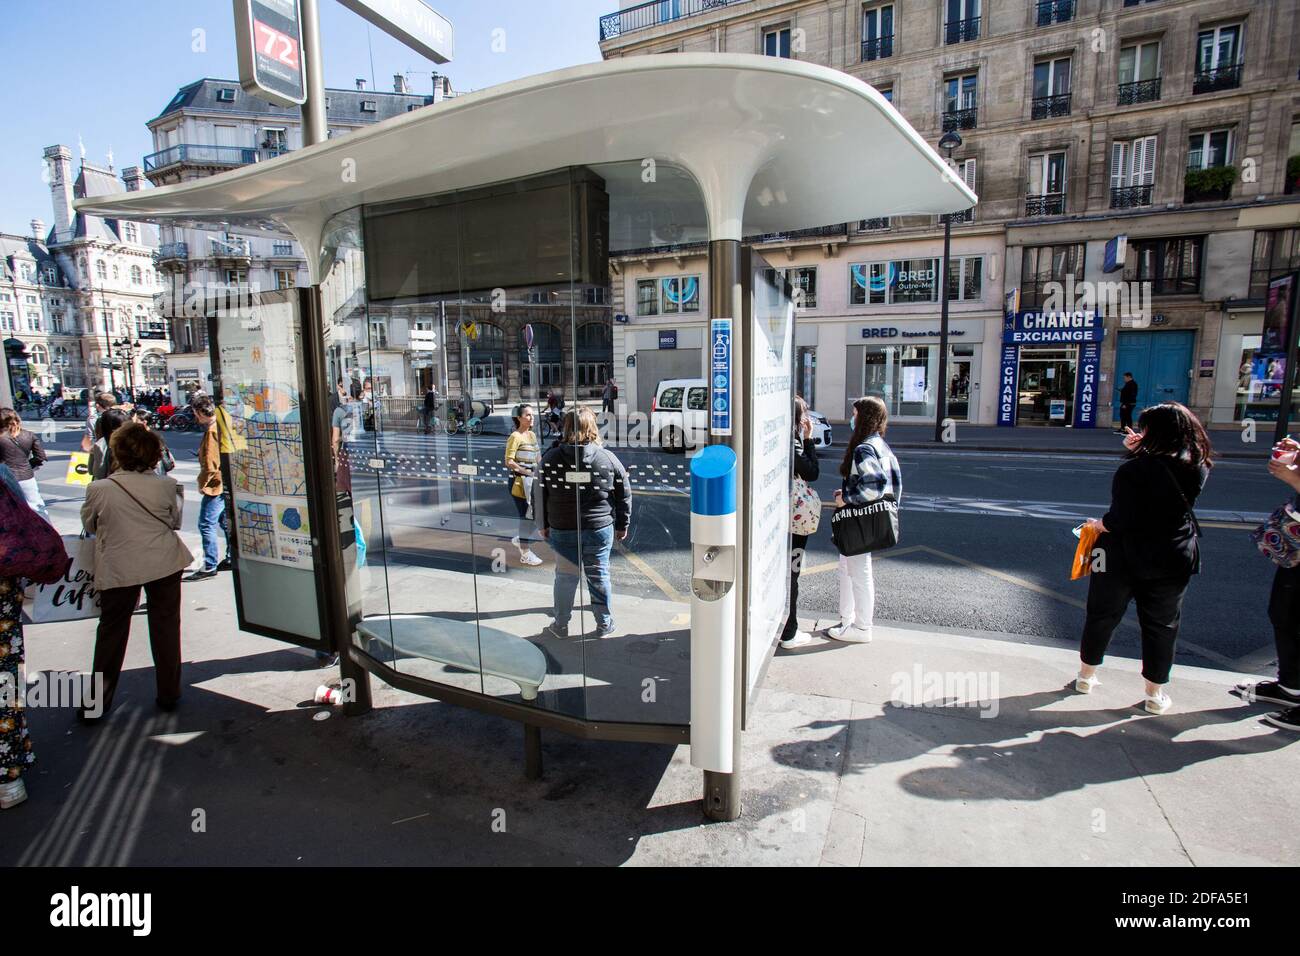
x,y
268,38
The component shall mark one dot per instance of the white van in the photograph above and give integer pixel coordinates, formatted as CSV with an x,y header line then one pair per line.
x,y
679,417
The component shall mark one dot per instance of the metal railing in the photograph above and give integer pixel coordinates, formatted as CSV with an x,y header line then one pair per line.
x,y
873,225
1048,204
1055,105
960,119
878,49
282,249
957,218
652,14
172,250
817,232
1130,197
1139,91
202,155
1221,78
957,31
233,248
1055,11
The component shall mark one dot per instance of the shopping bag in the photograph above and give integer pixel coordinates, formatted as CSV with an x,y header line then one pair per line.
x,y
1082,567
71,598
78,468
861,529
1278,538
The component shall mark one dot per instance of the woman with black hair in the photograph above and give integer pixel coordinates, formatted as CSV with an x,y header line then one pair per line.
x,y
1148,548
101,453
871,473
803,521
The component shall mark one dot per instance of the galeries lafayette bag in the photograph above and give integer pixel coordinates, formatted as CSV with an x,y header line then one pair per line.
x,y
861,529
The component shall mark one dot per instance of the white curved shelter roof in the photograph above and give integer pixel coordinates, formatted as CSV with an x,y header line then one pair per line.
x,y
773,144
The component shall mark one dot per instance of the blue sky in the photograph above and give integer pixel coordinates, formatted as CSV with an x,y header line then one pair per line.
x,y
99,69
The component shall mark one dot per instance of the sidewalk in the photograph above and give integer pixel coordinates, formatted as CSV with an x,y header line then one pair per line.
x,y
834,773
1074,441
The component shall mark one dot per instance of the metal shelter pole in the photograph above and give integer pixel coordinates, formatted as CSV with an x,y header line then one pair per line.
x,y
722,790
315,128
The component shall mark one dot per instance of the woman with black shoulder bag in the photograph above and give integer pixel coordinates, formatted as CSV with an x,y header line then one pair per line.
x,y
865,518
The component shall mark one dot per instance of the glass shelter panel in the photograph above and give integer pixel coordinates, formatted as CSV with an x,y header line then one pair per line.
x,y
519,533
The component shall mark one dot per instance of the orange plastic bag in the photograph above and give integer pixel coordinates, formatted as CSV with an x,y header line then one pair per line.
x,y
1083,553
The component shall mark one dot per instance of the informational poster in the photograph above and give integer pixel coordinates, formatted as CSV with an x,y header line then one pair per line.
x,y
770,336
259,393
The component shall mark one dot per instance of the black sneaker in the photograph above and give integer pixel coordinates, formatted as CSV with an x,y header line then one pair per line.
x,y
1285,719
1266,691
200,575
225,565
556,631
609,630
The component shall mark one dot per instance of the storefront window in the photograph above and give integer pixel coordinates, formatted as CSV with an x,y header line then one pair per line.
x,y
1046,385
1172,266
1276,251
894,283
904,377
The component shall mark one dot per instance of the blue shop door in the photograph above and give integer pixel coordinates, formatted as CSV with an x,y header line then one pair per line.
x,y
1159,362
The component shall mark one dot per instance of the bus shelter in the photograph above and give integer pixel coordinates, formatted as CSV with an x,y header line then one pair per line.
x,y
460,262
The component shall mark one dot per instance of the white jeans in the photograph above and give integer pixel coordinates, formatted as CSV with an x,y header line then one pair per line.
x,y
32,492
857,591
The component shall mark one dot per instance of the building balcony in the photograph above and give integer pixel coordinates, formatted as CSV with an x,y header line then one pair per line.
x,y
959,119
1222,78
171,253
878,49
838,231
1139,91
1055,11
873,225
959,31
957,218
284,250
1047,204
1045,106
1209,185
1131,197
198,155
232,247
652,14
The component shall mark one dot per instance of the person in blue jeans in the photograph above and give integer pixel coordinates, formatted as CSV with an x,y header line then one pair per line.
x,y
582,520
212,503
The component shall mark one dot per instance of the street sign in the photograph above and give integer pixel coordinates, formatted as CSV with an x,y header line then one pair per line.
x,y
411,22
268,41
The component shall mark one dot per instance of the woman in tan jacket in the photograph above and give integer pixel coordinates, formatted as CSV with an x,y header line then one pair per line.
x,y
134,515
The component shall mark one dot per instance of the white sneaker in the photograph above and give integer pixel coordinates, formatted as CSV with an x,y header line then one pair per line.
x,y
529,559
799,640
1084,685
1159,703
850,634
12,793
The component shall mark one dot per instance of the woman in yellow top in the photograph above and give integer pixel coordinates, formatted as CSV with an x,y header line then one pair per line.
x,y
522,455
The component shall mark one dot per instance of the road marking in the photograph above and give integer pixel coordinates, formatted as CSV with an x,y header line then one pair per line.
x,y
657,579
834,565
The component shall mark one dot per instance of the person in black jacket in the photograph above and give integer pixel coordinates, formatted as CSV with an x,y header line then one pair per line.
x,y
1148,548
807,468
581,520
1283,614
1128,399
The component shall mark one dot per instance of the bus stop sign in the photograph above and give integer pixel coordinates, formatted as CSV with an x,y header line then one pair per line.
x,y
268,39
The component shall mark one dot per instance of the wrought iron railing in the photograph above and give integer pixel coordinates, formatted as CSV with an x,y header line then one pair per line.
x,y
201,155
878,49
1130,197
1220,78
959,119
957,218
1055,11
282,249
172,250
873,225
957,31
233,248
1055,105
1139,91
645,15
1048,204
817,232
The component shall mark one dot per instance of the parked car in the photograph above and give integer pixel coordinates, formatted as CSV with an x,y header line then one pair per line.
x,y
679,417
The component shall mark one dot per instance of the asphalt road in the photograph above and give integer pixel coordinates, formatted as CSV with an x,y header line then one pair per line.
x,y
986,537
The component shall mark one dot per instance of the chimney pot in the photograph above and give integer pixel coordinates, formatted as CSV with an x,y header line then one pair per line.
x,y
38,230
399,83
361,84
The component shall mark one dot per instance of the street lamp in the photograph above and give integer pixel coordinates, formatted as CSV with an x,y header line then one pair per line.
x,y
127,349
950,141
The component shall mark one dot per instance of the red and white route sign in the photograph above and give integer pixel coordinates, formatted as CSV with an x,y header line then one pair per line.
x,y
268,38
